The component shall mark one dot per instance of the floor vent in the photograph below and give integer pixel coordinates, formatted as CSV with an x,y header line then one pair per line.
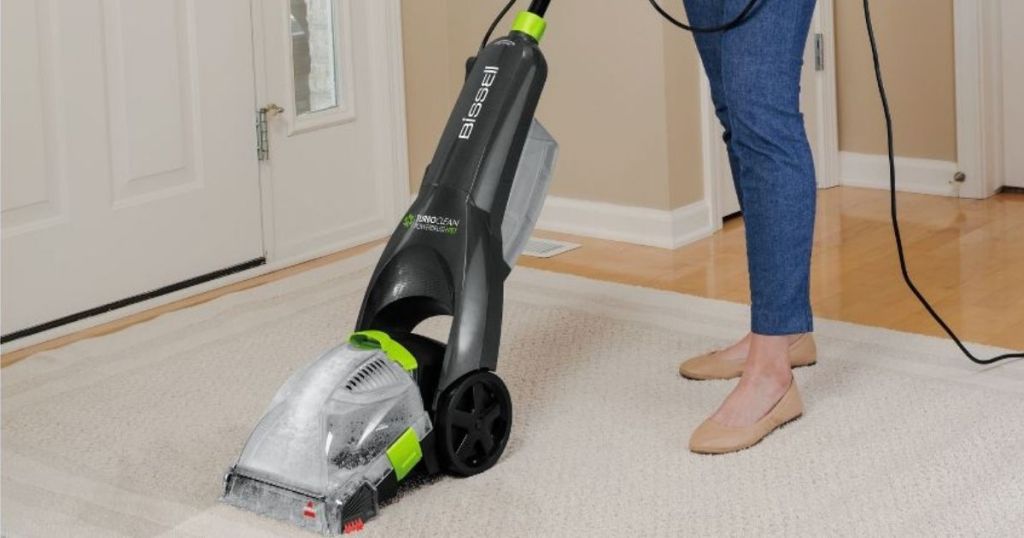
x,y
547,248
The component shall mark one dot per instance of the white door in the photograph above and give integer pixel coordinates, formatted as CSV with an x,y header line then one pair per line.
x,y
129,158
336,165
1013,91
814,103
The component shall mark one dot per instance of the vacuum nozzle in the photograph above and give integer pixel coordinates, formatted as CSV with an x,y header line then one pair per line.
x,y
337,434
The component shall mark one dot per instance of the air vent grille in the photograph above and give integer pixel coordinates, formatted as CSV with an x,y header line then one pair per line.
x,y
547,248
372,375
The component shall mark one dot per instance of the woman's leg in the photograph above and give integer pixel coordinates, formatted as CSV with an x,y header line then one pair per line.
x,y
761,65
761,70
770,53
709,13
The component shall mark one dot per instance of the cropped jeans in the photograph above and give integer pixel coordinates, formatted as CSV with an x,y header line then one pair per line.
x,y
754,71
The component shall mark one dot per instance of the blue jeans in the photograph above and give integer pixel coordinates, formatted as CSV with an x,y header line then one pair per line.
x,y
754,72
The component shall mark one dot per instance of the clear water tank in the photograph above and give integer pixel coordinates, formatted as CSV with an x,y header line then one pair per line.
x,y
529,189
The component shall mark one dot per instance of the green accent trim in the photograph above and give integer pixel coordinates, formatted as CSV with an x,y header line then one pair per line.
x,y
405,453
380,340
530,24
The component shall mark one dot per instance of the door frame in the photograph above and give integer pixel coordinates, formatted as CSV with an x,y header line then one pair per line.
x,y
828,122
391,147
978,37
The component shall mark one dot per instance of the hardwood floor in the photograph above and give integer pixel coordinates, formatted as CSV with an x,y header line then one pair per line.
x,y
966,256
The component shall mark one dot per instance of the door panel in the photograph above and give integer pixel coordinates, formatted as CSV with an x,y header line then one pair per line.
x,y
150,95
128,142
34,186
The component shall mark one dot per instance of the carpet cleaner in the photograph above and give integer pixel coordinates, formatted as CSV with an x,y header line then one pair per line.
x,y
342,433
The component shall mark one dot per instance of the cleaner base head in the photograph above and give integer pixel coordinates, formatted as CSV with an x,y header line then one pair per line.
x,y
337,435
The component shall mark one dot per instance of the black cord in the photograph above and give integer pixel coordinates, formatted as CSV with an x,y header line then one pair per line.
x,y
539,7
740,19
892,204
497,20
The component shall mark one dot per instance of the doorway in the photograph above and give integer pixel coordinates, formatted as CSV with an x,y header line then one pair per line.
x,y
989,85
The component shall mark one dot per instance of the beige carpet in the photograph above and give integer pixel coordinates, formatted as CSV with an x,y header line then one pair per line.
x,y
130,434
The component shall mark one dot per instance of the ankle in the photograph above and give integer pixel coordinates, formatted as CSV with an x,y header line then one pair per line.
x,y
789,338
769,372
769,350
770,364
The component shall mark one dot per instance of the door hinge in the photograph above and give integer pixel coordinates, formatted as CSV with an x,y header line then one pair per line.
x,y
262,130
819,52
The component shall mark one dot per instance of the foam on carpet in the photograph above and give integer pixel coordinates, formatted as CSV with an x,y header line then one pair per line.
x,y
131,433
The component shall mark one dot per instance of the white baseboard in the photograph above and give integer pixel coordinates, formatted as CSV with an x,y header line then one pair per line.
x,y
639,225
923,176
691,223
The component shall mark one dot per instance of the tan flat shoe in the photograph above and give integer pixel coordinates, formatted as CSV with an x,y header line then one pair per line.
x,y
714,438
802,352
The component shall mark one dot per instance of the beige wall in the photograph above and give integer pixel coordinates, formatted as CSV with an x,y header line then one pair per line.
x,y
682,89
624,103
427,92
916,47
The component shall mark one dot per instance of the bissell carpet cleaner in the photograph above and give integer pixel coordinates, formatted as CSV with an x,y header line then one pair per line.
x,y
340,434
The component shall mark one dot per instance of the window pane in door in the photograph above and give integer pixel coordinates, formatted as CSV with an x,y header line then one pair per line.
x,y
313,55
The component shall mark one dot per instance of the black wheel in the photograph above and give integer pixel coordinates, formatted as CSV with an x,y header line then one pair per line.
x,y
474,418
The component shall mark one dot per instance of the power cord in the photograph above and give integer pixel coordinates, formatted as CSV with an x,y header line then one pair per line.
x,y
740,19
497,20
892,204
